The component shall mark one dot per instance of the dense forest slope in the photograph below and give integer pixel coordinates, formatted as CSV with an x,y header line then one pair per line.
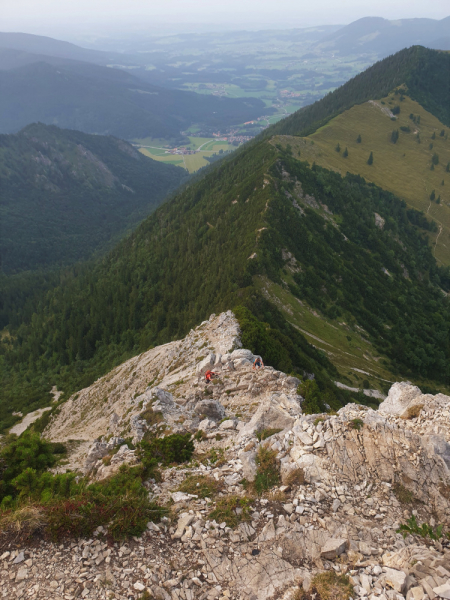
x,y
296,250
426,74
97,99
263,214
65,194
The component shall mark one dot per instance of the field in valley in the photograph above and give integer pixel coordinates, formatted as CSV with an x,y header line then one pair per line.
x,y
192,162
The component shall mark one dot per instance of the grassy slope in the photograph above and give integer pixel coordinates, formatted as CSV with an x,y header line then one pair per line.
x,y
346,347
402,168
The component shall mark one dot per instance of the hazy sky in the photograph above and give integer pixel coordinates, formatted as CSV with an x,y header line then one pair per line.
x,y
78,16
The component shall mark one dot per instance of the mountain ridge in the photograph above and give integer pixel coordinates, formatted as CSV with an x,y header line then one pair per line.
x,y
66,195
260,215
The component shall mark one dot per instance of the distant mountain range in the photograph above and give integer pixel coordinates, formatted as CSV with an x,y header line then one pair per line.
x,y
97,99
374,35
65,195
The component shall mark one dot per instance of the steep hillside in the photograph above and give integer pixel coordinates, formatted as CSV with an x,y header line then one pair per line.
x,y
308,253
426,73
97,99
65,195
262,214
411,156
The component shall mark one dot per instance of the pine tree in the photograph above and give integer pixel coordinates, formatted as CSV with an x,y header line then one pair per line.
x,y
433,137
432,167
442,182
338,147
345,154
435,159
442,133
370,160
447,168
394,136
418,138
358,139
432,196
431,146
438,201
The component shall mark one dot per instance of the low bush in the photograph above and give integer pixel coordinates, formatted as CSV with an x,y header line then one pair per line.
x,y
268,471
403,495
356,424
201,485
231,510
263,434
425,530
413,412
175,448
296,477
61,506
200,435
331,586
22,453
151,417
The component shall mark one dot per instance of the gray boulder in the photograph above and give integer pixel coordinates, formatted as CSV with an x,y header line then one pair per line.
x,y
242,353
210,409
248,464
404,400
206,364
277,412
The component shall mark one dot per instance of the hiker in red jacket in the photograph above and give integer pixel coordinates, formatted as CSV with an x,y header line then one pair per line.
x,y
209,376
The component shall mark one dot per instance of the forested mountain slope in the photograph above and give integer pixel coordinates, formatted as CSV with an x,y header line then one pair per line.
x,y
306,254
65,194
97,99
263,215
410,156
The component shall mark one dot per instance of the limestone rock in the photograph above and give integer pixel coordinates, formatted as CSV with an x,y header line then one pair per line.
x,y
206,364
248,464
333,548
395,579
402,399
272,414
211,409
443,591
183,522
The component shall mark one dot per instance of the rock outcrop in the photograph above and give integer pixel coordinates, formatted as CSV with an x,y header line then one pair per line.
x,y
347,481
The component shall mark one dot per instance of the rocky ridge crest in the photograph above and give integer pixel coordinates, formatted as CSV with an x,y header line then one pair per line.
x,y
338,506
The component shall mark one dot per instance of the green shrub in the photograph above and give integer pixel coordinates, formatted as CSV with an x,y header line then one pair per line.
x,y
263,434
232,510
200,435
267,472
28,451
75,509
312,403
356,424
201,485
425,530
175,448
403,495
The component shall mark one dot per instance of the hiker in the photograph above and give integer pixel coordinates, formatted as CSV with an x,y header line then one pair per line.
x,y
258,363
209,376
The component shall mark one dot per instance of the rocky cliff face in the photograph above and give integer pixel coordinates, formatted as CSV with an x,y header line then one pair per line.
x,y
347,481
